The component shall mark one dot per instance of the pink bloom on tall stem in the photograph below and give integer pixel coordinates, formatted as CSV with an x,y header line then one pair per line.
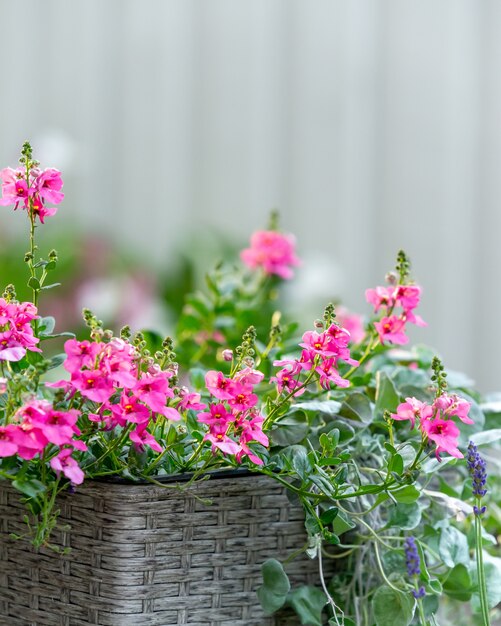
x,y
273,251
444,433
218,385
49,184
413,409
451,405
392,329
352,322
381,297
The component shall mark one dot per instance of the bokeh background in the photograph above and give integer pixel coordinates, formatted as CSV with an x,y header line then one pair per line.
x,y
179,124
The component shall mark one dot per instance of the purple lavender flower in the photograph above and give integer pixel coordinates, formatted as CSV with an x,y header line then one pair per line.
x,y
476,467
419,593
412,557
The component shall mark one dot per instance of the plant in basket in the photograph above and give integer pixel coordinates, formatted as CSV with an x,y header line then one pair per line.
x,y
372,438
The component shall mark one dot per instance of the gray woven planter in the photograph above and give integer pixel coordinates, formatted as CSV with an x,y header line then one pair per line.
x,y
147,555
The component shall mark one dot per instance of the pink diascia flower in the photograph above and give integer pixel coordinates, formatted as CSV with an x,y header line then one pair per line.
x,y
444,433
392,329
413,409
273,251
16,332
64,462
352,322
44,186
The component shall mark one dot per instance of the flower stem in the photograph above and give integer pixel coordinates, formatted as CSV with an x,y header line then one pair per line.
x,y
482,586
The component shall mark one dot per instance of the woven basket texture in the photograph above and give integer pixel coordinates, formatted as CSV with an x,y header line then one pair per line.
x,y
145,555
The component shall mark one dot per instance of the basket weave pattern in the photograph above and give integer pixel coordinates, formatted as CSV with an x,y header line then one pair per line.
x,y
145,555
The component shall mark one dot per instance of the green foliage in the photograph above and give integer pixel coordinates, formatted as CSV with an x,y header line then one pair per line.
x,y
392,608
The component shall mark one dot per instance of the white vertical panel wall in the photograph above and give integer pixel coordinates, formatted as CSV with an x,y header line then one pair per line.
x,y
370,125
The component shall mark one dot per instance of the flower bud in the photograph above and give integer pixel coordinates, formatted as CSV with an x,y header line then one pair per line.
x,y
228,354
391,278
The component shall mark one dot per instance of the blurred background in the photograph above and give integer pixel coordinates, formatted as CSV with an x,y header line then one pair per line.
x,y
179,124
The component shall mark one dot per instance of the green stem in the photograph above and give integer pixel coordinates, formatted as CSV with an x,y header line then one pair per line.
x,y
479,553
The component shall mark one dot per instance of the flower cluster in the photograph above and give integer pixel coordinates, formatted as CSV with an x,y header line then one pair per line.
x,y
37,427
273,251
413,564
435,420
16,331
235,414
32,189
320,355
391,327
476,468
122,392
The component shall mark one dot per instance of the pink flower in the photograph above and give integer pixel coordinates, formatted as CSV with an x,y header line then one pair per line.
x,y
242,398
220,440
80,354
392,329
411,409
58,427
40,210
248,376
329,374
93,384
246,451
130,409
218,385
408,296
49,184
451,405
444,433
153,390
381,297
190,401
286,380
65,463
14,187
141,437
352,322
217,415
9,439
273,251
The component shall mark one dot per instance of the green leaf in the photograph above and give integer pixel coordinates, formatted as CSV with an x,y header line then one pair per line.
x,y
297,458
312,524
387,397
397,465
487,436
342,523
31,488
46,325
453,546
34,283
308,602
57,360
328,407
458,583
273,592
392,608
406,495
405,516
274,577
290,430
329,515
357,407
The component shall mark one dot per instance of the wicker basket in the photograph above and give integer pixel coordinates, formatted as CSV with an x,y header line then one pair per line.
x,y
148,555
